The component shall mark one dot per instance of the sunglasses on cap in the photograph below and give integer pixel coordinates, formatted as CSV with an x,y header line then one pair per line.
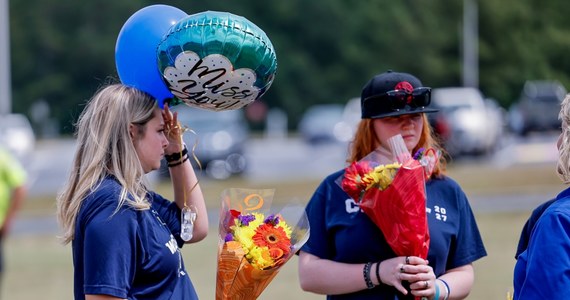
x,y
400,99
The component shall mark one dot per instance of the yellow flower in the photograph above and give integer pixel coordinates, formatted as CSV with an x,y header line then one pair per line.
x,y
260,258
381,176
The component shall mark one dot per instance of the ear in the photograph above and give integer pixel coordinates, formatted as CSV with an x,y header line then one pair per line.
x,y
132,131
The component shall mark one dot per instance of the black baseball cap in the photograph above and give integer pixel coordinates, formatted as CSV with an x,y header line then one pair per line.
x,y
391,94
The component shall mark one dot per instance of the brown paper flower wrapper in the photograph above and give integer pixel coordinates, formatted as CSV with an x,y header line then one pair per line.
x,y
237,278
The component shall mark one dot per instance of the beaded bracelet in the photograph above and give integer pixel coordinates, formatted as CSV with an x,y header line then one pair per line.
x,y
366,273
176,156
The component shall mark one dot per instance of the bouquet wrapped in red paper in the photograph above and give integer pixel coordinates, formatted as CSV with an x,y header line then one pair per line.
x,y
393,194
254,244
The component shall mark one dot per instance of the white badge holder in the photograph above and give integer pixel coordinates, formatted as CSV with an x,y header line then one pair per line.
x,y
188,218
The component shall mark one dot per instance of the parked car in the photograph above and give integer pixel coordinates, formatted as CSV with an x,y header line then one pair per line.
x,y
351,117
219,138
537,107
321,123
17,135
467,123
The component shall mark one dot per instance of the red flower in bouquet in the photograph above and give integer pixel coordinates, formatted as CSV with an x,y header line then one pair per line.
x,y
353,183
359,177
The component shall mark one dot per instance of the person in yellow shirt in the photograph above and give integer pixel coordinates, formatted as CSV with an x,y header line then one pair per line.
x,y
12,193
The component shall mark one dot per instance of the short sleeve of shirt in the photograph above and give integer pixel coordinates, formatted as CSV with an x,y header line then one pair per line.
x,y
455,237
469,243
110,253
12,173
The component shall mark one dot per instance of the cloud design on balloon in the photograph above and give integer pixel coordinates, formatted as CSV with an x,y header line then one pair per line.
x,y
210,82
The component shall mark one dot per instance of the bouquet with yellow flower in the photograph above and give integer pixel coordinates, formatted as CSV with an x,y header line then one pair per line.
x,y
390,189
254,244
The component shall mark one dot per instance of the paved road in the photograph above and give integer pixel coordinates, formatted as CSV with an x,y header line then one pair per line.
x,y
50,166
271,159
278,158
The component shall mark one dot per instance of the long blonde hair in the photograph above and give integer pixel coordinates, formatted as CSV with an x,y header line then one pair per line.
x,y
563,164
365,141
104,147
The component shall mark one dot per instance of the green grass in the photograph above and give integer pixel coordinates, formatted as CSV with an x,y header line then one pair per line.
x,y
38,267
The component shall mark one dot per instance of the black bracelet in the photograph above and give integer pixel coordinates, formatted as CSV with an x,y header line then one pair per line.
x,y
366,273
179,162
378,273
176,156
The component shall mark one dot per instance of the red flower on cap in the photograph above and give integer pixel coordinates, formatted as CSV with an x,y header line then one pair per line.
x,y
406,86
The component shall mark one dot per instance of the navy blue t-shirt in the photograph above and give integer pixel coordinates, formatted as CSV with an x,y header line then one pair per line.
x,y
341,232
131,254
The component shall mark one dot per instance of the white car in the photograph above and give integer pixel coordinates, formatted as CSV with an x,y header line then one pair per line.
x,y
17,135
467,123
351,117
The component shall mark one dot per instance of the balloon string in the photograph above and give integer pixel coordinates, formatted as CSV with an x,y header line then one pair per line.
x,y
184,129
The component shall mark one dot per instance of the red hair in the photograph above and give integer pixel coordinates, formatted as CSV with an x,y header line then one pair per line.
x,y
365,141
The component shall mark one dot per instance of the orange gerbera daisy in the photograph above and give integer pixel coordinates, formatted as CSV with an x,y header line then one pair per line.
x,y
274,238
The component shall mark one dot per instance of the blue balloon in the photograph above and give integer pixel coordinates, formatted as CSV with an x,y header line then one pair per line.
x,y
137,43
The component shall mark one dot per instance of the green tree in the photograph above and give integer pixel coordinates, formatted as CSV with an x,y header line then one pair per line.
x,y
326,49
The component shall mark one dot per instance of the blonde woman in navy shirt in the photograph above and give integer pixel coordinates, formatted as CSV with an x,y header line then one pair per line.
x,y
125,238
347,256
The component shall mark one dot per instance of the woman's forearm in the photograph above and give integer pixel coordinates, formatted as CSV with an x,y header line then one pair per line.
x,y
460,282
187,193
327,277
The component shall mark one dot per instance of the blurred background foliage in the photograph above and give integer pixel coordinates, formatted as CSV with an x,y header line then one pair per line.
x,y
61,51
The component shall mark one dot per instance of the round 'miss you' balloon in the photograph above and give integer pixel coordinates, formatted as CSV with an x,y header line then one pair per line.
x,y
217,61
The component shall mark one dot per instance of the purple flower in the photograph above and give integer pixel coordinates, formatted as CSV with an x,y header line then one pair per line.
x,y
272,220
245,219
419,153
229,237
